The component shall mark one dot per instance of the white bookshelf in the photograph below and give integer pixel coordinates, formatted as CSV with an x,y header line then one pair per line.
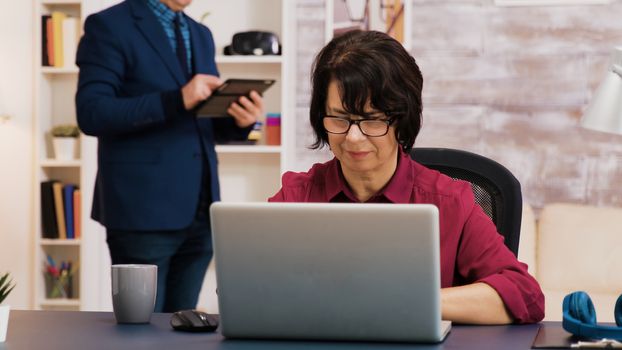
x,y
273,59
60,242
248,149
54,90
59,70
252,172
51,107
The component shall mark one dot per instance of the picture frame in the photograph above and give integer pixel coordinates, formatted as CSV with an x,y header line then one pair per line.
x,y
389,16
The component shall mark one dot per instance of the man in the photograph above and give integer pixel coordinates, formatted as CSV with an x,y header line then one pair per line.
x,y
144,66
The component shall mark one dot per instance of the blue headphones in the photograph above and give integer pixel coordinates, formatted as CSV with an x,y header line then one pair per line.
x,y
580,318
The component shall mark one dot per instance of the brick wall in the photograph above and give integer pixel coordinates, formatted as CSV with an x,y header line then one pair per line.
x,y
509,83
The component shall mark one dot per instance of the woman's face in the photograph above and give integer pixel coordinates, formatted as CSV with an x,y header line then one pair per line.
x,y
358,153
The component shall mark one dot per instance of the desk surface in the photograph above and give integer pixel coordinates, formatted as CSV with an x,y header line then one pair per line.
x,y
98,330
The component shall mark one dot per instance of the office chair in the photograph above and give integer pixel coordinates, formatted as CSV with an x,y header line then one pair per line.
x,y
495,189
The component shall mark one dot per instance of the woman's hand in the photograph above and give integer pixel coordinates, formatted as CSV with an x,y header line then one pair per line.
x,y
476,303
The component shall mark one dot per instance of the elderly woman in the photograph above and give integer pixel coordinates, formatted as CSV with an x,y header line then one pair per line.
x,y
366,106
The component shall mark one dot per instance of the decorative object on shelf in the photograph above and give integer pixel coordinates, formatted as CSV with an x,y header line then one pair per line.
x,y
204,17
64,139
4,117
357,9
255,134
273,129
381,15
604,112
58,280
254,43
6,286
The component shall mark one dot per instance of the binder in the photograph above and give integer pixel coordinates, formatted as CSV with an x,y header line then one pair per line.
x,y
57,24
49,226
68,206
70,27
44,41
60,210
77,220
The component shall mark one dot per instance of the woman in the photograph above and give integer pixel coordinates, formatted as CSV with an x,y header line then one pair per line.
x,y
366,106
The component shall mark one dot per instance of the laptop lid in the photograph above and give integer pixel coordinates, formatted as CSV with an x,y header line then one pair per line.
x,y
337,271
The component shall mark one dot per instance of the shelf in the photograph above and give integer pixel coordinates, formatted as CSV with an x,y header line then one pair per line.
x,y
60,70
241,149
60,242
60,302
53,163
249,59
61,2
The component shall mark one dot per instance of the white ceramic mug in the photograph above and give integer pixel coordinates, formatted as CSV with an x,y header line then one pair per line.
x,y
134,289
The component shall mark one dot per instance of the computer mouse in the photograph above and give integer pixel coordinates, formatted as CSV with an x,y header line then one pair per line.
x,y
194,321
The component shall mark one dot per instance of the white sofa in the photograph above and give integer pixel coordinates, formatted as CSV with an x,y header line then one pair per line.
x,y
574,247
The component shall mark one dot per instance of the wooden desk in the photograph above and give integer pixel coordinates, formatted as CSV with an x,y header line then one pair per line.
x,y
67,330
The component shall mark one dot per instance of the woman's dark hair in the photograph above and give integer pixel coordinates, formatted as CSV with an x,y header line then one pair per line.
x,y
368,66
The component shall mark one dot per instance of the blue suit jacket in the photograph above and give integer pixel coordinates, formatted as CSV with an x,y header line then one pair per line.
x,y
149,150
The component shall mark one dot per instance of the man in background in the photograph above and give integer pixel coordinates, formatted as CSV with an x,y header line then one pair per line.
x,y
144,67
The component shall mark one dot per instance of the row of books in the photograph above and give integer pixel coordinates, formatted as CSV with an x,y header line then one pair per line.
x,y
60,210
59,34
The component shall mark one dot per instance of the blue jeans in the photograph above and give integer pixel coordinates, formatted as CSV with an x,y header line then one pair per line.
x,y
182,257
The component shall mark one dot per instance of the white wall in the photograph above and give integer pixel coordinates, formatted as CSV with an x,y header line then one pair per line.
x,y
16,67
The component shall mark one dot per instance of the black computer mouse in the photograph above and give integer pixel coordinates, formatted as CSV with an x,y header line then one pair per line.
x,y
194,321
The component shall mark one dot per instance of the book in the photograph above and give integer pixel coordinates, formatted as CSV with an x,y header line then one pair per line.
x,y
44,41
68,207
77,220
49,227
60,211
50,42
57,29
70,40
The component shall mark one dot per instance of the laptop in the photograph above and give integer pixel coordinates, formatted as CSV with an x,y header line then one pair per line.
x,y
318,271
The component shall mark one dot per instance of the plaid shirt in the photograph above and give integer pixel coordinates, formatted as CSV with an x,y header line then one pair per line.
x,y
166,16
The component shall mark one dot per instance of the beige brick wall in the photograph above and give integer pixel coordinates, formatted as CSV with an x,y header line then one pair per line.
x,y
509,83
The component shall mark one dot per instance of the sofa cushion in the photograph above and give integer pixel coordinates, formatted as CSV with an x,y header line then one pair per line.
x,y
603,305
578,248
527,244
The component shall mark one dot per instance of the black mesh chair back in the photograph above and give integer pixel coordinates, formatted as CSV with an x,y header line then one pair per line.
x,y
496,190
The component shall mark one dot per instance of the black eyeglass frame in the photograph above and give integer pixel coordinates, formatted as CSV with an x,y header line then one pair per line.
x,y
388,122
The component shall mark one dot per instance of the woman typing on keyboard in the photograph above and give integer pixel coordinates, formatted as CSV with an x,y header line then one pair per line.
x,y
366,107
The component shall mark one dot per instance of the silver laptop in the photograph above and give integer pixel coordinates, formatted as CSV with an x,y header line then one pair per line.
x,y
317,271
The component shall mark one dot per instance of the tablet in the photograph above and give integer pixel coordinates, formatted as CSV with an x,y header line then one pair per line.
x,y
230,91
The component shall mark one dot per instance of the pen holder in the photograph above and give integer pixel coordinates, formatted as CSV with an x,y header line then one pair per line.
x,y
58,286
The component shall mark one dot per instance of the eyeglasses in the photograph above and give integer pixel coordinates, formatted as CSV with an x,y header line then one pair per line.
x,y
369,127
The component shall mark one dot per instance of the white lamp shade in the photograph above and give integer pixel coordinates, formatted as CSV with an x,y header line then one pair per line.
x,y
605,110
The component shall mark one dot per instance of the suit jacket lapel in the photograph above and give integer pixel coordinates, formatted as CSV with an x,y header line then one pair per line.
x,y
199,61
152,30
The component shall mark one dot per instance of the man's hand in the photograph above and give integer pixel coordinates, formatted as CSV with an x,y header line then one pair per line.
x,y
198,89
245,112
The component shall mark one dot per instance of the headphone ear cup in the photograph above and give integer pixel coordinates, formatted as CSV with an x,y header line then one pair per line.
x,y
617,311
582,308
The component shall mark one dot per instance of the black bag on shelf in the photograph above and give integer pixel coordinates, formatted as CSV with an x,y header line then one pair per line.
x,y
254,43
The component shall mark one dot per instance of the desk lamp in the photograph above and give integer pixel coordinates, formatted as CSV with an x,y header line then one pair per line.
x,y
605,111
